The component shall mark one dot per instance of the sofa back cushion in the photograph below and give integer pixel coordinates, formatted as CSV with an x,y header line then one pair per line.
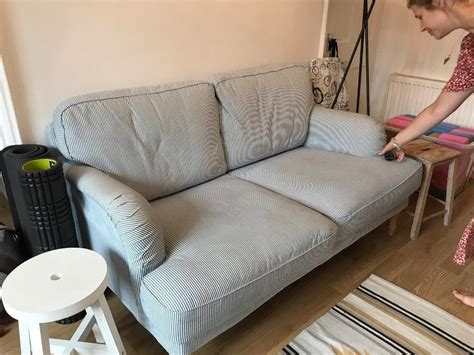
x,y
157,140
265,111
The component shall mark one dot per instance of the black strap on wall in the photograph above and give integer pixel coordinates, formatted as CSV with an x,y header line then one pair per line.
x,y
332,47
362,34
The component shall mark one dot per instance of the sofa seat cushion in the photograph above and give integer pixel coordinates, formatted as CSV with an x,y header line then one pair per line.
x,y
352,191
231,245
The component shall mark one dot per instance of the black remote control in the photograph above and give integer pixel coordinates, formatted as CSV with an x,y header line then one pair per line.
x,y
390,156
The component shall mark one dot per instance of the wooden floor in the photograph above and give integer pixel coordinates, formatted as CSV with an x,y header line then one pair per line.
x,y
423,267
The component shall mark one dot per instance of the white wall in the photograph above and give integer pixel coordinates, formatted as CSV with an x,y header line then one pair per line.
x,y
57,49
404,49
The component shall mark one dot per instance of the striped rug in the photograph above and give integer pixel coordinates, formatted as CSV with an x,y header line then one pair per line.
x,y
381,318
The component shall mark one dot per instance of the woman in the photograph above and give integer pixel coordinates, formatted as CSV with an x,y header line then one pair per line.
x,y
439,18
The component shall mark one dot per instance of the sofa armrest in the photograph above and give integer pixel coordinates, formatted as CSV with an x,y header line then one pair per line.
x,y
118,223
344,132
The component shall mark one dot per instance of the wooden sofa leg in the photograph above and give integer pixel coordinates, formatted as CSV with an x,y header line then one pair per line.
x,y
392,224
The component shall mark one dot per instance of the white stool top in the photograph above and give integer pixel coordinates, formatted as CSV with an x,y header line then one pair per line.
x,y
54,285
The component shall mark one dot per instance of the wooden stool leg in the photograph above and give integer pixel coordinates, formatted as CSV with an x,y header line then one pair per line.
x,y
39,338
421,202
448,212
24,338
392,224
107,327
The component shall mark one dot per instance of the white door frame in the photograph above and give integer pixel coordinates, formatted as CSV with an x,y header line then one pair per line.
x,y
322,38
9,132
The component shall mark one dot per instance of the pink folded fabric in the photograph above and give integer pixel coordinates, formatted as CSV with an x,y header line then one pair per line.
x,y
398,123
465,130
453,138
403,117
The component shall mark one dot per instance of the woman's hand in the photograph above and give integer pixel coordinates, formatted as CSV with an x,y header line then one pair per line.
x,y
400,154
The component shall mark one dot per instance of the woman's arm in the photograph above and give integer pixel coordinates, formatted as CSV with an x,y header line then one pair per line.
x,y
444,105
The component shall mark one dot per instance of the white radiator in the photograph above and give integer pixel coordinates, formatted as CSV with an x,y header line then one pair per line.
x,y
411,94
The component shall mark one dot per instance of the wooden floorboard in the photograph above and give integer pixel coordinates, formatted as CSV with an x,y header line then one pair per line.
x,y
423,267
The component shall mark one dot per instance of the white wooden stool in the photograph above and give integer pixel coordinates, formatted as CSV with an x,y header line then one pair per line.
x,y
57,285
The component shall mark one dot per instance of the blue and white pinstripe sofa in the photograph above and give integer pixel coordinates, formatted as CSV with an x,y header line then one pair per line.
x,y
208,198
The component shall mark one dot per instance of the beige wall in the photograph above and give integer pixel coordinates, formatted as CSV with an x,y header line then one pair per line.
x,y
57,49
396,46
2,25
345,23
404,49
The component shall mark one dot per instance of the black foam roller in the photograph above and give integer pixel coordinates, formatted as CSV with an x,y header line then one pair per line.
x,y
12,159
48,211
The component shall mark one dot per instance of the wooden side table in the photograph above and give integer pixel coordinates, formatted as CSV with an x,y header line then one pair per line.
x,y
431,155
59,284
